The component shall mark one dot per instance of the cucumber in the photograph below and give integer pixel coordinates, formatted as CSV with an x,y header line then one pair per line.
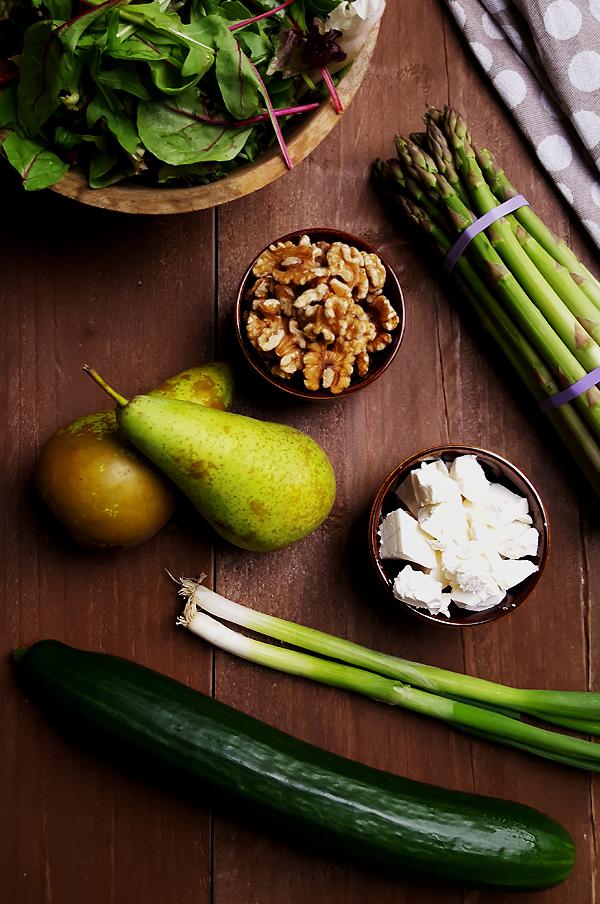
x,y
138,715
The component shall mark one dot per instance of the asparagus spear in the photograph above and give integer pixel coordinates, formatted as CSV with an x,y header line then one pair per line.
x,y
558,314
442,155
557,248
525,361
568,285
421,167
560,279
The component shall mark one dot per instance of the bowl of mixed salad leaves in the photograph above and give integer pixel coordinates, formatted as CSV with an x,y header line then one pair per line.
x,y
173,105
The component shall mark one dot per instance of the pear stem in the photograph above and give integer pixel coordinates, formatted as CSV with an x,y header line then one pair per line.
x,y
119,399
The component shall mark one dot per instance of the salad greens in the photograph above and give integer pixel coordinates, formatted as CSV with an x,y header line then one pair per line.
x,y
163,91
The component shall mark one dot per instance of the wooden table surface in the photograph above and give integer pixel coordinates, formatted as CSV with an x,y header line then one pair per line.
x,y
141,298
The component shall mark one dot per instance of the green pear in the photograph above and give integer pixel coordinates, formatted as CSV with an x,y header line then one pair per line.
x,y
260,485
97,485
209,384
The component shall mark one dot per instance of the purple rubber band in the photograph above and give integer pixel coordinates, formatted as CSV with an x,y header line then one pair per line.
x,y
479,225
571,392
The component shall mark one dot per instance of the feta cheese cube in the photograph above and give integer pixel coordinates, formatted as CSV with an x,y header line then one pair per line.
x,y
406,493
445,521
525,519
506,505
474,601
470,478
421,590
469,568
510,572
437,572
432,484
402,538
452,555
517,540
482,532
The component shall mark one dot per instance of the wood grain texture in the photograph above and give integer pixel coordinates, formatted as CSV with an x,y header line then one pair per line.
x,y
142,298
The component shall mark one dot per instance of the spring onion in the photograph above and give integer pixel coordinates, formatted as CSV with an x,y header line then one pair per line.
x,y
480,707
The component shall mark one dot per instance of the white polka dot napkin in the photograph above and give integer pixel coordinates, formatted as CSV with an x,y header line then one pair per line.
x,y
543,58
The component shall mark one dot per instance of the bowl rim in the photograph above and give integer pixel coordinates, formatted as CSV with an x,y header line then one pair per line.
x,y
252,357
155,200
476,618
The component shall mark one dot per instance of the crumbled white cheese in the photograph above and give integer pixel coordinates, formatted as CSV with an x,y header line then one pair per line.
x,y
467,534
432,484
470,478
421,590
445,521
402,538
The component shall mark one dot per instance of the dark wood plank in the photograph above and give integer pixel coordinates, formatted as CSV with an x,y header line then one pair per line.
x,y
135,298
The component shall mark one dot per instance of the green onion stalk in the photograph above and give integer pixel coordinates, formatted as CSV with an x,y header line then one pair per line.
x,y
527,288
471,704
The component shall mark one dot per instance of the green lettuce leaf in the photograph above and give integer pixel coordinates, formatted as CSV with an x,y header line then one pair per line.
x,y
171,130
38,167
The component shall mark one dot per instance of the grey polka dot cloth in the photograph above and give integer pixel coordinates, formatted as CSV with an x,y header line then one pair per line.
x,y
543,58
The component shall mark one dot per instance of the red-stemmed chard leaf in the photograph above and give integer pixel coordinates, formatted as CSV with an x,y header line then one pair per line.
x,y
269,12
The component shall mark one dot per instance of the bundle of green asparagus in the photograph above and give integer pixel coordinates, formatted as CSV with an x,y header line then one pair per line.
x,y
527,288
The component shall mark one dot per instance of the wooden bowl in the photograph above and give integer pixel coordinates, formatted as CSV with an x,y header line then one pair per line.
x,y
380,360
127,197
497,469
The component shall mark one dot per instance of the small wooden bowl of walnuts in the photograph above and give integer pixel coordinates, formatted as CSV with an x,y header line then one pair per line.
x,y
319,314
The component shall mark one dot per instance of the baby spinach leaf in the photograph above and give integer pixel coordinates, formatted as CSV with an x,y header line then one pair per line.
x,y
173,131
201,8
107,107
37,166
67,139
8,108
168,78
61,10
40,81
71,32
235,73
106,168
150,16
139,46
235,11
282,92
46,70
259,46
237,80
123,78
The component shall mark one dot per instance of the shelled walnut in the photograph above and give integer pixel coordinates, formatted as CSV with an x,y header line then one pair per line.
x,y
317,310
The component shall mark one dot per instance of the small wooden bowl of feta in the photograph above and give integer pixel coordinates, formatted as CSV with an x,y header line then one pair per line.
x,y
458,535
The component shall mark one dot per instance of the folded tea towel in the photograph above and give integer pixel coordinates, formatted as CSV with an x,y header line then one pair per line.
x,y
543,58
